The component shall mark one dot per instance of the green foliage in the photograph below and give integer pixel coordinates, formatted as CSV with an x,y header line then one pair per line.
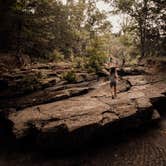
x,y
79,62
56,56
148,18
39,27
96,62
56,31
70,76
96,56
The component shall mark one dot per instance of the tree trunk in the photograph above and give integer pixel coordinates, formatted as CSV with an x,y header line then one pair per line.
x,y
142,40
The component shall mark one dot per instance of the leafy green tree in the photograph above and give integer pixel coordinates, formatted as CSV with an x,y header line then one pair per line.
x,y
86,22
149,17
42,28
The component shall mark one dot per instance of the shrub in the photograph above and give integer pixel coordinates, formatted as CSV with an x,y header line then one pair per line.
x,y
79,62
69,76
56,56
96,55
95,62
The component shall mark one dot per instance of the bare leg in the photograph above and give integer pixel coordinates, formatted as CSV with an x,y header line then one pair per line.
x,y
115,91
111,92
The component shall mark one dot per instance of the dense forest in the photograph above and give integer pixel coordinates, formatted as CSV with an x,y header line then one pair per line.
x,y
78,30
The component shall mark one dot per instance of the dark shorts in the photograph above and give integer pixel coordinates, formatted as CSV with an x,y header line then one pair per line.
x,y
113,83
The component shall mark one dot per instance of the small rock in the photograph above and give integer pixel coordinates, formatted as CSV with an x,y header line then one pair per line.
x,y
155,115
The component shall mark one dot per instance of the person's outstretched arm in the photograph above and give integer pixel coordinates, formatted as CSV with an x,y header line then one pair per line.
x,y
116,74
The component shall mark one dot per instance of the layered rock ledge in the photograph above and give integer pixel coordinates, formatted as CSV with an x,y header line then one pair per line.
x,y
76,120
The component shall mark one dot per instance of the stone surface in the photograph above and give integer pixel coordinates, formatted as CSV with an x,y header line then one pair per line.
x,y
41,83
46,95
54,111
155,115
139,70
86,112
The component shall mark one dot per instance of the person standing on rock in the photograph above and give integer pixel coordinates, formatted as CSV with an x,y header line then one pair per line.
x,y
113,77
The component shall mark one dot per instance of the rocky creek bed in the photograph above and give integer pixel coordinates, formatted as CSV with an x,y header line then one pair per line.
x,y
146,146
88,119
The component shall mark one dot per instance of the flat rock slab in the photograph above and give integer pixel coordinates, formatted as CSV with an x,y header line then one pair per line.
x,y
139,80
94,108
